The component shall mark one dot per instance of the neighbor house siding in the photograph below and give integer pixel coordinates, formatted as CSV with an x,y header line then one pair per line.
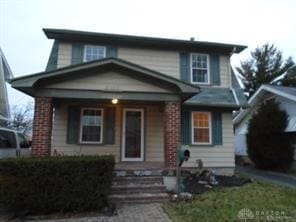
x,y
166,62
64,54
219,155
110,81
154,138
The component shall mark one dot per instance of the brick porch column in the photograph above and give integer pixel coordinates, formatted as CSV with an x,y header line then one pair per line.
x,y
42,127
172,131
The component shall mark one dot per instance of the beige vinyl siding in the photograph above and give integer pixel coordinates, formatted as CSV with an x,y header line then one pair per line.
x,y
167,62
154,134
110,81
59,138
225,71
216,156
154,139
64,54
164,61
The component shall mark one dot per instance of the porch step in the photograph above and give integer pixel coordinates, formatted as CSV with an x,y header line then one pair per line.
x,y
137,183
138,172
129,180
138,198
138,188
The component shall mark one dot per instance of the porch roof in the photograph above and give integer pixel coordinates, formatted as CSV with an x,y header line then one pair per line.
x,y
216,97
32,84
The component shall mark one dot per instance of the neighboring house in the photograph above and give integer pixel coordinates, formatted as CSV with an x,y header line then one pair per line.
x,y
285,96
137,98
5,76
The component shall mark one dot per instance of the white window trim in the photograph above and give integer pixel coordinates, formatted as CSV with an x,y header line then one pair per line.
x,y
102,126
208,69
84,51
192,129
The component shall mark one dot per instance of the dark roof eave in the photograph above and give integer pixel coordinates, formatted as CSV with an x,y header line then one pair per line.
x,y
73,35
234,106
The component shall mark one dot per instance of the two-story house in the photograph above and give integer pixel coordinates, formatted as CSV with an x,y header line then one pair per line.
x,y
138,98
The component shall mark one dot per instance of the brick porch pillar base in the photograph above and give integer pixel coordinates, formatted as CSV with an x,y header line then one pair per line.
x,y
42,127
172,131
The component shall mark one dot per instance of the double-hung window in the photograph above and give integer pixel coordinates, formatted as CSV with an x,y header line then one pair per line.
x,y
200,68
94,52
201,128
91,126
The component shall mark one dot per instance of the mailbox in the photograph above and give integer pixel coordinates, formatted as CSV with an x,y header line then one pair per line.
x,y
183,155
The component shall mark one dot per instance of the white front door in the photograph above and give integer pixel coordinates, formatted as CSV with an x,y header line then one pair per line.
x,y
133,135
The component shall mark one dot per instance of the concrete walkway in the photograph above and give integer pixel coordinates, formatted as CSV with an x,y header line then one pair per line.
x,y
125,213
268,176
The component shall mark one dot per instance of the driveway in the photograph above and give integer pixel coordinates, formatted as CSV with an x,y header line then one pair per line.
x,y
268,176
125,213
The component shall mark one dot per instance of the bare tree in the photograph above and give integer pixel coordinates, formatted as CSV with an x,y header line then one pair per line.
x,y
22,118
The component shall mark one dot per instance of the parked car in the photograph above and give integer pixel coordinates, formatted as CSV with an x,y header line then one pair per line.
x,y
13,144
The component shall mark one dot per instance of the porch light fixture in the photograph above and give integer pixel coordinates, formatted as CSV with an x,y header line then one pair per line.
x,y
114,101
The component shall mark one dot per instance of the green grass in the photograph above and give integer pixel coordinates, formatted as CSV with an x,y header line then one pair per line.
x,y
225,203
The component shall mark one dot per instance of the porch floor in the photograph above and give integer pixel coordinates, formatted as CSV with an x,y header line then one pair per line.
x,y
139,166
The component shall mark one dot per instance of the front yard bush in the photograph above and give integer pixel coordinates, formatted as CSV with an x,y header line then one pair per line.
x,y
268,145
55,184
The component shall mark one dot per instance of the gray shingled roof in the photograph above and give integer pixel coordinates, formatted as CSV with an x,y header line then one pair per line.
x,y
220,97
215,97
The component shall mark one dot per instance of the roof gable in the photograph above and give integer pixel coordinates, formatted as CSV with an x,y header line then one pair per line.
x,y
27,83
109,81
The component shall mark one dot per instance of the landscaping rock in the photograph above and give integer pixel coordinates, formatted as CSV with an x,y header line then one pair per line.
x,y
185,196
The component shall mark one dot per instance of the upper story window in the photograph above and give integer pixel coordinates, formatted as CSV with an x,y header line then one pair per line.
x,y
91,126
94,52
201,128
200,68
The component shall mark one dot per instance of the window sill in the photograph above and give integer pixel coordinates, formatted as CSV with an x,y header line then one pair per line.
x,y
201,145
88,143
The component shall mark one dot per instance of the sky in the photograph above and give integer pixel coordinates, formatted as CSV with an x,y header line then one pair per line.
x,y
247,22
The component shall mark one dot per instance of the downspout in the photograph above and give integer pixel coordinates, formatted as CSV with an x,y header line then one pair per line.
x,y
230,78
235,97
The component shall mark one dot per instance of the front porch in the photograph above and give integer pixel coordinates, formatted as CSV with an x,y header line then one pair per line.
x,y
131,131
74,114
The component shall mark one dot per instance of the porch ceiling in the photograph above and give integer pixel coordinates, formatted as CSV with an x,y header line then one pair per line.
x,y
37,84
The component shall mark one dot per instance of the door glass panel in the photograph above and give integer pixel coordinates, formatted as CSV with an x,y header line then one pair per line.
x,y
133,134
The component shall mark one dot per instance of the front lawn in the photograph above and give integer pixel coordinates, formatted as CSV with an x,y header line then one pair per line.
x,y
262,199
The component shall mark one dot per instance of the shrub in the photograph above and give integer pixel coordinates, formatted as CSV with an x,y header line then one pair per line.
x,y
268,145
55,184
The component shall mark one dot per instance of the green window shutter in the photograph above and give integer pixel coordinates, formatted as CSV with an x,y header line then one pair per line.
x,y
53,58
111,51
73,124
215,69
77,53
109,125
185,67
186,127
217,134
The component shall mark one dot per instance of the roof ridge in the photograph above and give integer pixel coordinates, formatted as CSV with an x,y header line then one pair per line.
x,y
76,35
